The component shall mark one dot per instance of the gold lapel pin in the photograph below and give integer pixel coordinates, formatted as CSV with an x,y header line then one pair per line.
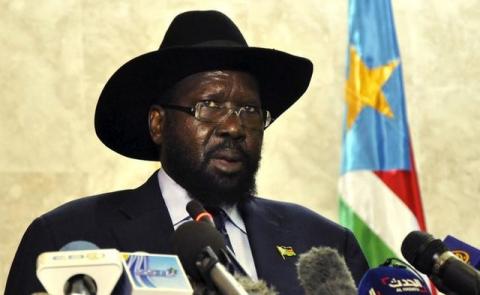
x,y
286,251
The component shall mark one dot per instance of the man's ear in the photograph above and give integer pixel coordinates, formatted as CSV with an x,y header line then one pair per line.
x,y
156,121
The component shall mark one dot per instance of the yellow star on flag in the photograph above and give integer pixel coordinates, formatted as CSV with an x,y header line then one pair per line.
x,y
364,87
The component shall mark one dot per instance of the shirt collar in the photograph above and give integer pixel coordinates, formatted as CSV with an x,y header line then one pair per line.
x,y
235,218
176,199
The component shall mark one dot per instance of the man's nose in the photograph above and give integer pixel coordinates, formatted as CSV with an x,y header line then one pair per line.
x,y
232,125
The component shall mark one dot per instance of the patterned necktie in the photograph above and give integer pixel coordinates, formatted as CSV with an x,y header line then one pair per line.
x,y
220,217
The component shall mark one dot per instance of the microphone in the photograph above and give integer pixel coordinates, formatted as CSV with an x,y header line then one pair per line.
x,y
252,287
80,283
79,268
463,251
258,287
430,256
197,245
79,245
322,270
198,213
392,279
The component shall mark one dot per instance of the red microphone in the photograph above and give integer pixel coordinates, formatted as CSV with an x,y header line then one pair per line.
x,y
198,212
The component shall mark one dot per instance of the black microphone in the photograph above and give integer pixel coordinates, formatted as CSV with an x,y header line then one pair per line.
x,y
257,287
323,271
80,283
197,245
431,257
198,213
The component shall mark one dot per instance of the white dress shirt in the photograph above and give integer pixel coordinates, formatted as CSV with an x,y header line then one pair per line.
x,y
176,199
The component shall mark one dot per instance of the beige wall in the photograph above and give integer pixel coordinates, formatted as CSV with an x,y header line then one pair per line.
x,y
57,55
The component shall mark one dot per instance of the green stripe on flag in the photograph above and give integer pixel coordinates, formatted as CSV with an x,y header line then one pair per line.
x,y
374,248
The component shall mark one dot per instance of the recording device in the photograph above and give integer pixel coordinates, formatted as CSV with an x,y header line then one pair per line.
x,y
323,271
198,213
79,268
257,287
197,244
430,256
463,251
392,278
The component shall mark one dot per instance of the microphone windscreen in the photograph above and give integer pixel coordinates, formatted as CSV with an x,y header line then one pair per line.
x,y
387,280
79,245
258,287
323,271
190,239
194,208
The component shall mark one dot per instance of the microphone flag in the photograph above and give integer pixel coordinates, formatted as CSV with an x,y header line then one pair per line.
x,y
387,280
153,274
379,193
104,266
463,251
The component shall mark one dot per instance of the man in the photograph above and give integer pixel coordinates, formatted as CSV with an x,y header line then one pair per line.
x,y
200,105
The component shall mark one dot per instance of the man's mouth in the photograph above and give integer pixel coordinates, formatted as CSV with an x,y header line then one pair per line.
x,y
228,161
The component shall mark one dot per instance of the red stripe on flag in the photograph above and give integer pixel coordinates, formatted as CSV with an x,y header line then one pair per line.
x,y
405,185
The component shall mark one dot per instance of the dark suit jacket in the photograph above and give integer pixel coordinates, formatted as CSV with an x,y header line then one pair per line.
x,y
138,220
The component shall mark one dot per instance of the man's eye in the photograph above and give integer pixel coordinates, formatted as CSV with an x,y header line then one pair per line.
x,y
211,103
251,109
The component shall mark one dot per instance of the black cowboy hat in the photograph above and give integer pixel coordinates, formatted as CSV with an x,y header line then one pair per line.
x,y
196,41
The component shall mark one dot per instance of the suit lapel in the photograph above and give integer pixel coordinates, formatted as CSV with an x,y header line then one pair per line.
x,y
146,224
142,223
266,230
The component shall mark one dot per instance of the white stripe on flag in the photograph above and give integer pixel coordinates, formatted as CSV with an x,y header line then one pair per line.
x,y
378,206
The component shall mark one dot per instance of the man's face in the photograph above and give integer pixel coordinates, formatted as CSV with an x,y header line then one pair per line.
x,y
215,162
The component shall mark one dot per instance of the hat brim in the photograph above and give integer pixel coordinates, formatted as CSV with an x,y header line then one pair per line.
x,y
121,117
